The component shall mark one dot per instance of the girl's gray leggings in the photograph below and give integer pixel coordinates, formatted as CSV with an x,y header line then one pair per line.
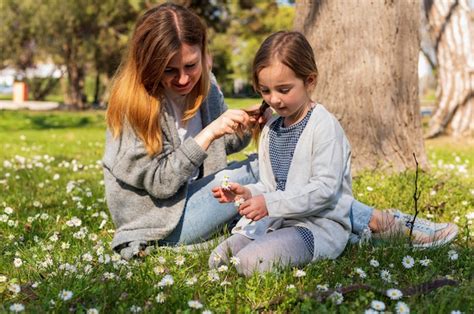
x,y
282,247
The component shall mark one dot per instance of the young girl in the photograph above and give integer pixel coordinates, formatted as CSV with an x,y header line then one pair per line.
x,y
298,211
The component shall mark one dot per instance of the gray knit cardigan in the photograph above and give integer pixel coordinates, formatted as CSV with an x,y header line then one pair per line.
x,y
146,195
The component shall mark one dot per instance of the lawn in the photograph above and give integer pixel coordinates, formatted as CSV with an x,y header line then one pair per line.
x,y
56,230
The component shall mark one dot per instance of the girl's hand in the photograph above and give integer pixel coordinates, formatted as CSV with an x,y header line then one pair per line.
x,y
228,123
229,195
254,208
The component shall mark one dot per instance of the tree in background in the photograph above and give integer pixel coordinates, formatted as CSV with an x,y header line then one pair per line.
x,y
81,35
19,46
451,27
367,55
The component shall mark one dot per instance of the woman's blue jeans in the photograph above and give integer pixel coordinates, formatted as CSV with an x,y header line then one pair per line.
x,y
203,215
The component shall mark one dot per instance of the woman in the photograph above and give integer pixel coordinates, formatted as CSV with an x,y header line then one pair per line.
x,y
169,134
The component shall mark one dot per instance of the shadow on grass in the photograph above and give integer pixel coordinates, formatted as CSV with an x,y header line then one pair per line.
x,y
58,122
21,120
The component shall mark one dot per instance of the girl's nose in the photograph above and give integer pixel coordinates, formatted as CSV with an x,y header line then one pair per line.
x,y
274,99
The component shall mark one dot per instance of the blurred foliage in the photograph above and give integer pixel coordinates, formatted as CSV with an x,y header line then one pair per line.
x,y
86,39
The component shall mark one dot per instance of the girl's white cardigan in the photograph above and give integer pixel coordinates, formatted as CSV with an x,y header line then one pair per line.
x,y
318,192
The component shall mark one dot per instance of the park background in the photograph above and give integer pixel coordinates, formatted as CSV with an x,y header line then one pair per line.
x,y
56,229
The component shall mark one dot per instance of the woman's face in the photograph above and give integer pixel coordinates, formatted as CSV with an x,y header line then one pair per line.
x,y
183,71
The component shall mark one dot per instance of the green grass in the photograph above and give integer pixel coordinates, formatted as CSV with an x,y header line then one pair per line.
x,y
50,172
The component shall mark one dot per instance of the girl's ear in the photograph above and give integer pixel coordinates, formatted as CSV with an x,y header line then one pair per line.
x,y
311,82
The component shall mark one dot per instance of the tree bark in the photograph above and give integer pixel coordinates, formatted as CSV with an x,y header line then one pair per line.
x,y
367,56
76,76
452,31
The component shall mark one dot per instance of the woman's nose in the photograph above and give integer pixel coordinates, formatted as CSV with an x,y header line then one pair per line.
x,y
183,78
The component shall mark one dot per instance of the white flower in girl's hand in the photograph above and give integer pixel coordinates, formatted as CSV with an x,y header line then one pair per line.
x,y
225,184
238,201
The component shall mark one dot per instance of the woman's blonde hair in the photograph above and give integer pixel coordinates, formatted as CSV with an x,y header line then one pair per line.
x,y
136,94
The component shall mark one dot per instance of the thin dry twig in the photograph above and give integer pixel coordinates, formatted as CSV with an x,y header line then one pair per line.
x,y
416,197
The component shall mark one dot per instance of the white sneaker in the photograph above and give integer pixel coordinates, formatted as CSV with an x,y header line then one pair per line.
x,y
426,234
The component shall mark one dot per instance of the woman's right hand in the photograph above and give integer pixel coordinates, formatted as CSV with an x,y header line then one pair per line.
x,y
228,123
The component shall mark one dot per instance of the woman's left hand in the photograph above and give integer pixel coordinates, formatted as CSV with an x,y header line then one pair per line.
x,y
254,208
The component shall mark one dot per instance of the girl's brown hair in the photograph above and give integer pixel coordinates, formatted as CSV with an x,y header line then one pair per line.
x,y
136,93
290,48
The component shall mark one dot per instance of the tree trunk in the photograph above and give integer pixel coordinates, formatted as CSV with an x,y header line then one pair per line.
x,y
452,31
367,56
76,77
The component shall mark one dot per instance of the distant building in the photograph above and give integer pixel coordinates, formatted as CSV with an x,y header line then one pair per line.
x,y
9,75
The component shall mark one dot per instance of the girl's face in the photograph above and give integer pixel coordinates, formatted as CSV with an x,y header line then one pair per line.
x,y
183,71
287,94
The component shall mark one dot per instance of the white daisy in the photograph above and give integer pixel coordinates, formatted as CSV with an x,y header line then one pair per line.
x,y
371,311
195,304
14,288
336,297
180,260
92,311
408,262
299,273
191,281
290,287
160,297
65,295
453,255
17,307
425,262
135,309
212,275
394,294
322,288
374,263
161,260
385,275
234,260
166,281
222,268
8,210
159,270
402,308
17,262
360,272
206,312
377,305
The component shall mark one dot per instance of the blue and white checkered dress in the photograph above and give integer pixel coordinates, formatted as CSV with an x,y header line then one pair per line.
x,y
282,147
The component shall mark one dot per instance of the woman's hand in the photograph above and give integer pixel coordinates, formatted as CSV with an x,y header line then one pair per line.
x,y
228,123
234,191
254,208
259,113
